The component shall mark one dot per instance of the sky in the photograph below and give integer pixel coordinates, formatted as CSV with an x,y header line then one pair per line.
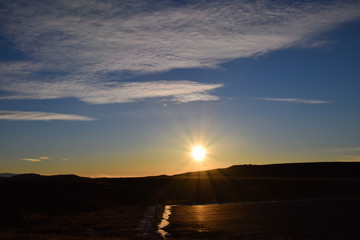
x,y
127,88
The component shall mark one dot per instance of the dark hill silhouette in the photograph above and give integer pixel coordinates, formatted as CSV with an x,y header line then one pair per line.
x,y
28,176
287,170
33,193
7,174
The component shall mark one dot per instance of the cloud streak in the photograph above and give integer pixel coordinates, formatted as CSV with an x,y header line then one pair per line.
x,y
31,159
294,100
96,93
90,44
40,116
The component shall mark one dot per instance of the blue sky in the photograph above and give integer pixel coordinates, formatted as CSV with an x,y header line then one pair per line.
x,y
126,88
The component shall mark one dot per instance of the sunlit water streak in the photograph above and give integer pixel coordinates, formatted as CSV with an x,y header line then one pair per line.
x,y
164,222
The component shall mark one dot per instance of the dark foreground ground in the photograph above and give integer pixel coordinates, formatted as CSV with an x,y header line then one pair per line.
x,y
315,219
116,223
72,207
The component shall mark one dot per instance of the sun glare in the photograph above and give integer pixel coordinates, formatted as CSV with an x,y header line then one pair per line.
x,y
198,153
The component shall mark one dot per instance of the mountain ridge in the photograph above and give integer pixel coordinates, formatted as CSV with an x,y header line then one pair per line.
x,y
287,170
238,183
6,175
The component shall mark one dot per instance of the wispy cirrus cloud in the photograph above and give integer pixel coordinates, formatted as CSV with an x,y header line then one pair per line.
x,y
89,44
42,116
294,100
114,92
31,159
40,159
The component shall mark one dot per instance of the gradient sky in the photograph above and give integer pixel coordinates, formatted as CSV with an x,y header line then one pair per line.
x,y
126,88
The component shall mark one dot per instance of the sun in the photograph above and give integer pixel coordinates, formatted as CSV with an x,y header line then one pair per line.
x,y
198,153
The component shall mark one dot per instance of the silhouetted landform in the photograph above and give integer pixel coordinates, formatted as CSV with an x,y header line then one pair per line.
x,y
26,194
7,174
33,176
288,170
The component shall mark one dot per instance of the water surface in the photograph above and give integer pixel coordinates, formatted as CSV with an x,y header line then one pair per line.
x,y
164,221
315,219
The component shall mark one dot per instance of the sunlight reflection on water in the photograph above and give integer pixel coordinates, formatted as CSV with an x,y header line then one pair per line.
x,y
165,221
